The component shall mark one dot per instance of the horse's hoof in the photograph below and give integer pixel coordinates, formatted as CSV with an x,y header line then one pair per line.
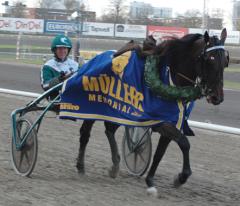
x,y
176,182
81,172
113,171
152,191
80,169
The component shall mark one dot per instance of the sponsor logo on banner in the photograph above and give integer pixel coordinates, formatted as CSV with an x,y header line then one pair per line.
x,y
133,31
21,25
52,26
164,33
89,28
98,29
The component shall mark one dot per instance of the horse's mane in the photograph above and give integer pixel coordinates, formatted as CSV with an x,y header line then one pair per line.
x,y
179,54
176,46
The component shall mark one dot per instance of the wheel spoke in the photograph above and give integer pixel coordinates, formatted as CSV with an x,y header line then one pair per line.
x,y
29,144
135,161
21,159
27,158
140,155
130,144
140,143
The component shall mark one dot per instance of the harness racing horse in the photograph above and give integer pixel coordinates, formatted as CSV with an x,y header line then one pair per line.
x,y
193,58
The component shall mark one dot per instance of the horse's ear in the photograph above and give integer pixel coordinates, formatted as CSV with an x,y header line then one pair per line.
x,y
206,37
223,35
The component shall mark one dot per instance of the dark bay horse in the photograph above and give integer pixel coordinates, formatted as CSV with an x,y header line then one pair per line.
x,y
194,57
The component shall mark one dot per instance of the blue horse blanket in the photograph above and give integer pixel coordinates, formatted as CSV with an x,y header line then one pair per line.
x,y
113,89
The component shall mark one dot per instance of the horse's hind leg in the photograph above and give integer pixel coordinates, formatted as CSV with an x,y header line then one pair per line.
x,y
160,151
84,138
182,177
110,131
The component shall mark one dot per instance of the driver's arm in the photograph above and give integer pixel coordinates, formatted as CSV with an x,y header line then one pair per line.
x,y
49,77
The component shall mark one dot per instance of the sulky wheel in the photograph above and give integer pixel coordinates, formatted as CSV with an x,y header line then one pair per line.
x,y
137,149
24,158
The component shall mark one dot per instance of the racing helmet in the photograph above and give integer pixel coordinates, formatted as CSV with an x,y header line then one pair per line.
x,y
61,41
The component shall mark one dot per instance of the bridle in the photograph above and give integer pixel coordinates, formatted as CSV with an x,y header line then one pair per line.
x,y
203,58
200,80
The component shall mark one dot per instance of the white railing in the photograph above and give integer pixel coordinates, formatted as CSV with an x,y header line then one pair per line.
x,y
215,127
19,93
201,125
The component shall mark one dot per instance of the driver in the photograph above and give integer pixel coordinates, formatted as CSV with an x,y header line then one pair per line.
x,y
60,66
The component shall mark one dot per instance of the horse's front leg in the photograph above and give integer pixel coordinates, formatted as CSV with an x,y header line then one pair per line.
x,y
160,151
84,138
182,177
110,132
183,143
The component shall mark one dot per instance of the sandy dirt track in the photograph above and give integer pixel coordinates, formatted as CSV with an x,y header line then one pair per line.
x,y
215,160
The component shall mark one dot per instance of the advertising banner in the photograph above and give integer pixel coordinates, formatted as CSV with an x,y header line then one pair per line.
x,y
163,33
88,28
21,25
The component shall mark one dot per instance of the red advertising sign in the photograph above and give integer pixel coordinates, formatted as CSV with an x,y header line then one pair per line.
x,y
163,33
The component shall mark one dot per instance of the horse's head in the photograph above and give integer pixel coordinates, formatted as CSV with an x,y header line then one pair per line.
x,y
214,58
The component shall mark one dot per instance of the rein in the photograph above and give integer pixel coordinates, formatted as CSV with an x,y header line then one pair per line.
x,y
186,78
